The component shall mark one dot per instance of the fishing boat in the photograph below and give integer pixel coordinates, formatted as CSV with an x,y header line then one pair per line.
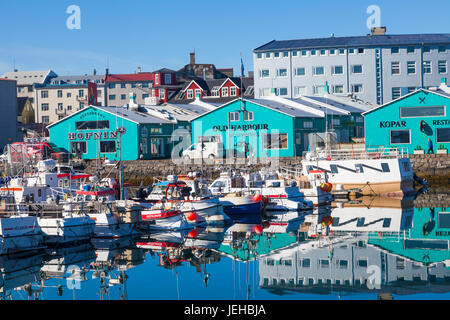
x,y
155,220
20,233
371,171
190,196
238,205
276,194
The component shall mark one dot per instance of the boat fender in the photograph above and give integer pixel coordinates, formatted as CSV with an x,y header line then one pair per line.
x,y
257,197
258,229
192,216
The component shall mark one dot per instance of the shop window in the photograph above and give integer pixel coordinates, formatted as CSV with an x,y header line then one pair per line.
x,y
275,141
107,146
420,112
156,147
78,147
92,125
442,135
400,137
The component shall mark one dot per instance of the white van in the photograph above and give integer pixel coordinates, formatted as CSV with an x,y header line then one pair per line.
x,y
205,150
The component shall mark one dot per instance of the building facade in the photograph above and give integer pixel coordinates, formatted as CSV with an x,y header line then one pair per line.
x,y
377,68
56,101
408,122
99,80
8,109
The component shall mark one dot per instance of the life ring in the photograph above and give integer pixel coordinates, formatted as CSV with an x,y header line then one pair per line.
x,y
422,126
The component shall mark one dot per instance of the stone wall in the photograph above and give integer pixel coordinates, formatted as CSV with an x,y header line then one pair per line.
x,y
435,168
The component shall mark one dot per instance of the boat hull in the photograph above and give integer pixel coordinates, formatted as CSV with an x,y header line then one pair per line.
x,y
20,234
66,230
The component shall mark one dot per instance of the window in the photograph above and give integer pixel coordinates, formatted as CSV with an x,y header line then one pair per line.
x,y
411,89
420,112
233,91
123,85
442,135
294,53
363,263
427,67
92,125
44,107
233,116
313,52
78,147
336,122
357,88
248,115
134,85
442,66
44,94
267,55
304,53
351,51
338,89
411,67
190,94
442,49
341,51
225,92
123,96
60,93
400,137
308,124
145,85
198,92
275,141
318,89
300,71
264,92
410,50
45,119
324,263
396,93
111,85
395,50
306,263
426,49
276,55
112,97
342,264
385,167
259,55
337,70
81,93
69,108
357,69
333,168
167,78
285,54
395,68
60,107
265,73
360,50
281,91
318,71
107,146
144,95
282,72
332,52
298,91
323,52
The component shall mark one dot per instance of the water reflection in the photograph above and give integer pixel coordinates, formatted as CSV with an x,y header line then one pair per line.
x,y
367,247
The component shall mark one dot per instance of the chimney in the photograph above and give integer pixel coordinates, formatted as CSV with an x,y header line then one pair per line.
x,y
192,56
204,74
107,71
95,72
139,69
15,70
378,31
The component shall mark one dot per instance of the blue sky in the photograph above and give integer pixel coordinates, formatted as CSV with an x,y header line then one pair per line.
x,y
154,34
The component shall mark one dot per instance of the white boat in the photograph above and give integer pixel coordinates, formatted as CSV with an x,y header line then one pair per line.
x,y
190,196
278,196
156,220
69,226
380,171
20,233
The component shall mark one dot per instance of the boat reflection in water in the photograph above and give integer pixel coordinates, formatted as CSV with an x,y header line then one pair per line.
x,y
363,248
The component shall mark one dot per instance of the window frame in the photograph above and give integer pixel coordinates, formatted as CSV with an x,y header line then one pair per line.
x,y
390,136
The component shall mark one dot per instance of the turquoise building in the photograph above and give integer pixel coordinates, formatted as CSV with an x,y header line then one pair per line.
x,y
115,132
275,127
408,122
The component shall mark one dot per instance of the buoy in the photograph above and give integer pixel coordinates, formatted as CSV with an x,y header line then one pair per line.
x,y
192,234
257,197
258,229
192,216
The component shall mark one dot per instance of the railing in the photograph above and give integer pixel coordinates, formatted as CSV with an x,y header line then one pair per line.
x,y
359,153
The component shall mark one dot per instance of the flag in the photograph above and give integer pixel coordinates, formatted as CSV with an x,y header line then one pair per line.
x,y
242,68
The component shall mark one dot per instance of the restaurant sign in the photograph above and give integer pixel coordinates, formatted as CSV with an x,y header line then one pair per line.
x,y
93,135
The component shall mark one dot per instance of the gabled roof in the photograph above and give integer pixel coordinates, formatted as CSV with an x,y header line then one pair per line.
x,y
164,70
28,78
143,76
437,92
369,40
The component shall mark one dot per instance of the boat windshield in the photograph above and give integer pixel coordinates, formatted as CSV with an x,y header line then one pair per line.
x,y
159,190
219,184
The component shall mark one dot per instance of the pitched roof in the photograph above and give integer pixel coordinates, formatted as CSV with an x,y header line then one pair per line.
x,y
73,79
28,78
143,76
369,40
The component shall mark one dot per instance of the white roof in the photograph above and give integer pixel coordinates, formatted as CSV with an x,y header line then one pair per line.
x,y
28,78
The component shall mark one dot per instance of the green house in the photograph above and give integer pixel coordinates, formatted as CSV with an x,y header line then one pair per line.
x,y
115,133
408,122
